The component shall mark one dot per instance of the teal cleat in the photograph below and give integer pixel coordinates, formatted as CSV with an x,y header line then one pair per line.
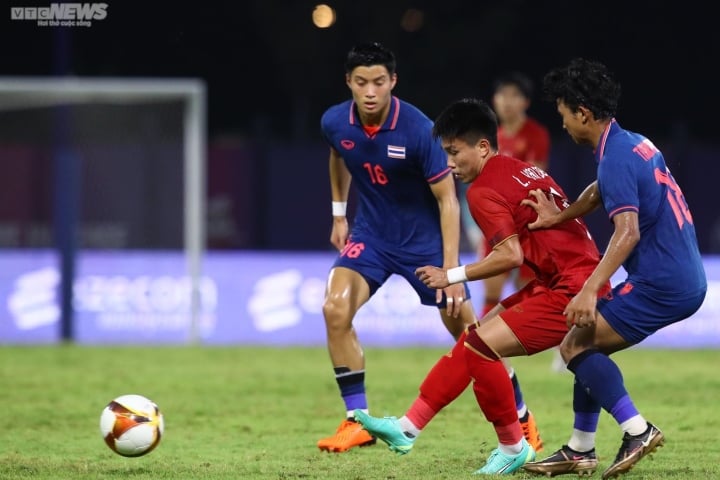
x,y
386,429
500,464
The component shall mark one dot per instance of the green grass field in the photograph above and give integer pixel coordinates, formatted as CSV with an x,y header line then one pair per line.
x,y
244,413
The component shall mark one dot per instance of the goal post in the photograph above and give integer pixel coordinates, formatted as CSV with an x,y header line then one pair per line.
x,y
27,93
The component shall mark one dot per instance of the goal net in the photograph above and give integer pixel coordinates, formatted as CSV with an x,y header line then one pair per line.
x,y
102,165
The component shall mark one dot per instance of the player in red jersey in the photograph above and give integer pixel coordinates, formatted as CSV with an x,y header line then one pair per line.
x,y
527,322
522,137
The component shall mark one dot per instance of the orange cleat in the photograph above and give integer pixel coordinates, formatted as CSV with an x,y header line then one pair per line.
x,y
348,435
531,432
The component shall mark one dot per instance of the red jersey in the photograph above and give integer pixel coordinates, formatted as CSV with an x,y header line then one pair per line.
x,y
563,255
530,144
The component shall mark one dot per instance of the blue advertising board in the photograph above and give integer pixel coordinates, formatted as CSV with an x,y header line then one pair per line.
x,y
251,298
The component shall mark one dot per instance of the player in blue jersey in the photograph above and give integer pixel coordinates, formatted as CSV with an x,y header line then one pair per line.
x,y
654,240
408,215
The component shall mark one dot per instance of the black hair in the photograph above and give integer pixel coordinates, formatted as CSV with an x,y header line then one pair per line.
x,y
469,119
517,79
586,83
368,54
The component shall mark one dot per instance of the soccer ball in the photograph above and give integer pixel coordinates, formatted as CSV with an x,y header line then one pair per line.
x,y
131,425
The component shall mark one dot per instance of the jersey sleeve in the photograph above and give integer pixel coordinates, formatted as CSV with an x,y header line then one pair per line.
x,y
325,128
617,181
492,212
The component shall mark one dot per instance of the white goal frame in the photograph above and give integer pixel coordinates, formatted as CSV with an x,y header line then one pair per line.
x,y
37,92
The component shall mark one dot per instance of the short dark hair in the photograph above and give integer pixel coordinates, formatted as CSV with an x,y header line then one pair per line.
x,y
516,79
367,54
586,83
469,119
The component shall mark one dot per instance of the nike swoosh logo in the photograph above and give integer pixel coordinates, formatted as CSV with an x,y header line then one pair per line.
x,y
524,184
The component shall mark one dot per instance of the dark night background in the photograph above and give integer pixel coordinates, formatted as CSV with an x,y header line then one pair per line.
x,y
270,73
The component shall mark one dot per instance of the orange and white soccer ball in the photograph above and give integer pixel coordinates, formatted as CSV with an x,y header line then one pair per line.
x,y
132,425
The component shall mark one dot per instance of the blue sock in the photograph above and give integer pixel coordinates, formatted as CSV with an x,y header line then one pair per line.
x,y
519,402
352,388
587,410
602,380
624,409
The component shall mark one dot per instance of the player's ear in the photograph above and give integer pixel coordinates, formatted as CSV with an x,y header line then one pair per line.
x,y
347,79
393,80
484,145
585,114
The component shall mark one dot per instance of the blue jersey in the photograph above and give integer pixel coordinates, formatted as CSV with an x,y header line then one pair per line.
x,y
632,176
391,170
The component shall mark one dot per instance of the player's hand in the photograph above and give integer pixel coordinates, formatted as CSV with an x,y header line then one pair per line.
x,y
544,206
433,277
581,310
436,278
339,234
455,295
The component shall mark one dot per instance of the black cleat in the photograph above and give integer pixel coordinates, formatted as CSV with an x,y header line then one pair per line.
x,y
566,460
634,448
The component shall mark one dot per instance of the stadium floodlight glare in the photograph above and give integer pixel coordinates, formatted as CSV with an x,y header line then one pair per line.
x,y
24,93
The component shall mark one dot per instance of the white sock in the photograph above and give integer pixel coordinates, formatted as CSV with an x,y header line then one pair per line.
x,y
351,413
523,410
635,425
581,441
408,426
511,449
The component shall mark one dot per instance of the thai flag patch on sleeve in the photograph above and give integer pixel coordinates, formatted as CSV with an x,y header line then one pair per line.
x,y
396,152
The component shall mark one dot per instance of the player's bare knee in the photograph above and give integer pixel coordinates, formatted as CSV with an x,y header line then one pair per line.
x,y
565,352
571,347
337,312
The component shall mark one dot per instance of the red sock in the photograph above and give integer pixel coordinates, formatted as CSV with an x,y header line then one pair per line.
x,y
493,390
443,384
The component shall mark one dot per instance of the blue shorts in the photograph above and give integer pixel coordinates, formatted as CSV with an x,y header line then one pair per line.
x,y
376,264
636,311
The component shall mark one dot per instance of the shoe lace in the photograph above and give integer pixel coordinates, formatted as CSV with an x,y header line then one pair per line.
x,y
493,457
345,425
531,435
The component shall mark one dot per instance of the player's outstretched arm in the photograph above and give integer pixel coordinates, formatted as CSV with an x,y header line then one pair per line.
x,y
549,214
339,187
505,256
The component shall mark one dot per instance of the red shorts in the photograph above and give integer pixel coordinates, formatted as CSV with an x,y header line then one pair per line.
x,y
535,315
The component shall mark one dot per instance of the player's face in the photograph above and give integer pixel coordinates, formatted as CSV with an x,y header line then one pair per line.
x,y
371,89
509,103
465,160
575,123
